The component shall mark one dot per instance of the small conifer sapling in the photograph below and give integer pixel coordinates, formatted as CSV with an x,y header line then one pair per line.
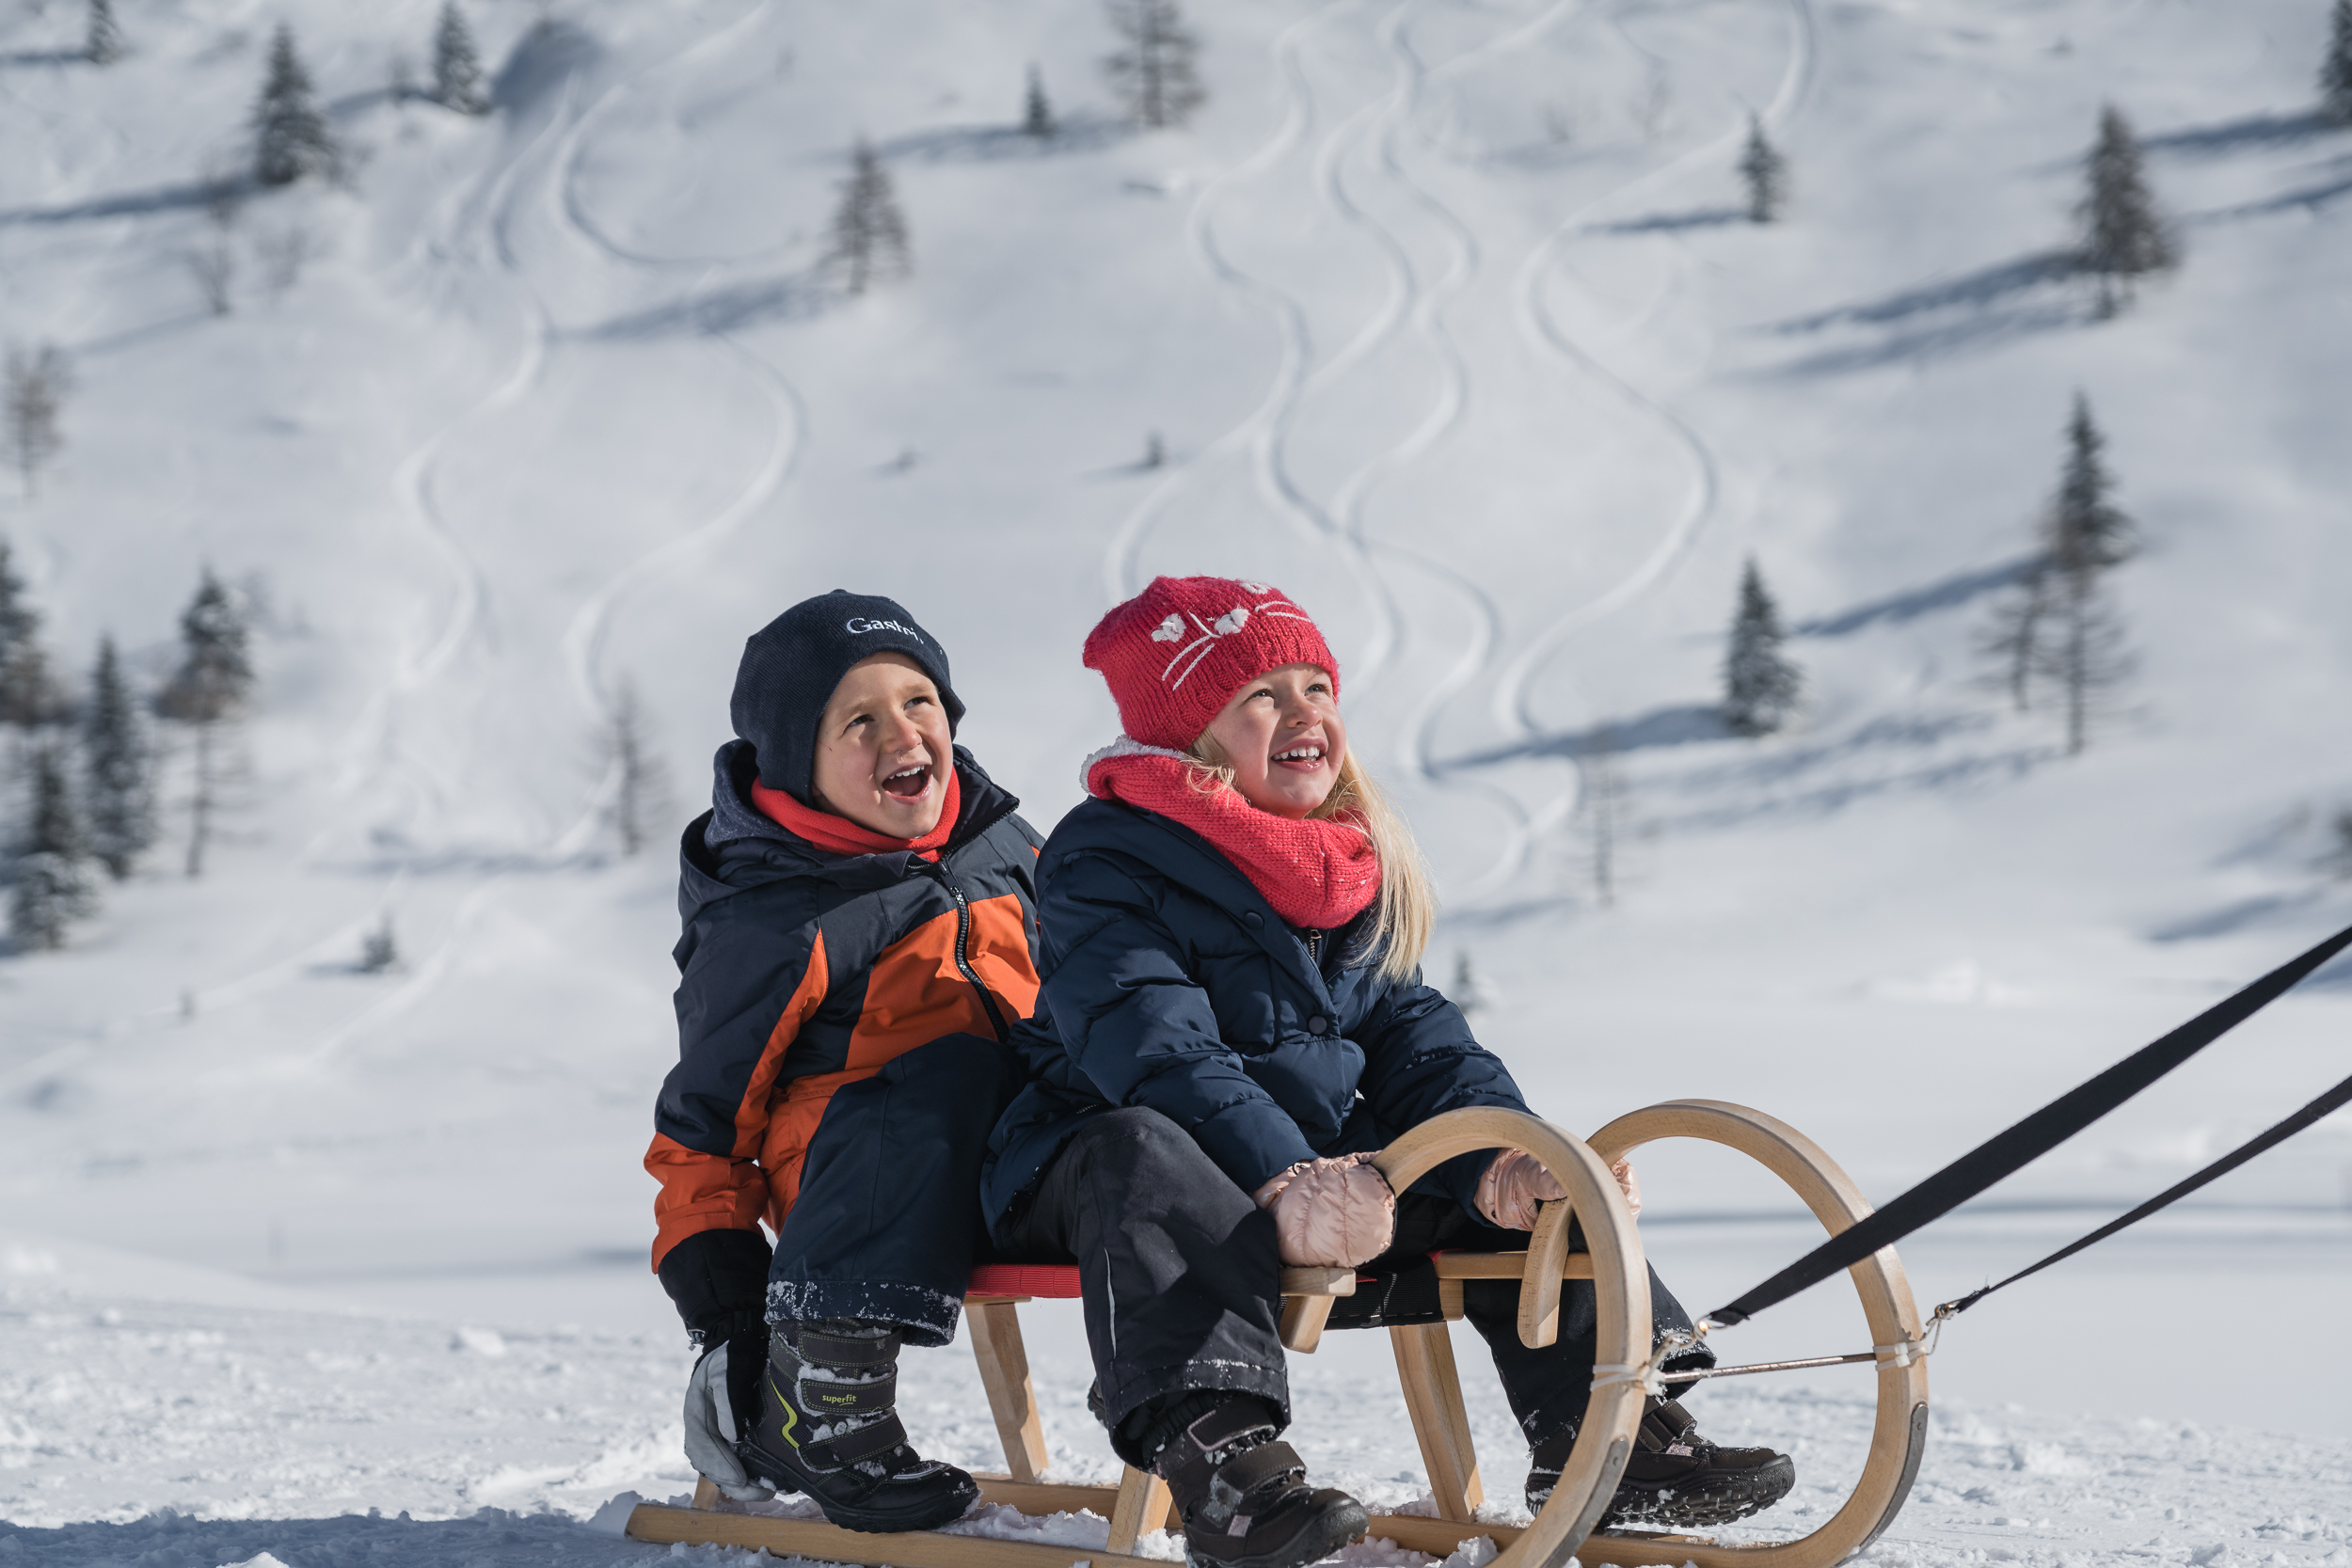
x,y
379,950
1764,173
457,66
2125,238
29,698
51,874
870,233
118,769
289,135
1761,684
1037,115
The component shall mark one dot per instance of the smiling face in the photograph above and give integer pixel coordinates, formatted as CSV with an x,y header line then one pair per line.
x,y
1283,737
883,749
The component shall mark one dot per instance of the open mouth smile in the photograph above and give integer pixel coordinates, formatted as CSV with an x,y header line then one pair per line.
x,y
1305,757
909,784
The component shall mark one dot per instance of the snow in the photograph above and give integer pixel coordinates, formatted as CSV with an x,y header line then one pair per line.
x,y
1444,320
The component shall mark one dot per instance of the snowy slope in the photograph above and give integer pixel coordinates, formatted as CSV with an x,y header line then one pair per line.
x,y
1442,313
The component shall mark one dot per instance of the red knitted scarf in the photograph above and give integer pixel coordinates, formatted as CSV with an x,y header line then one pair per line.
x,y
845,837
1316,874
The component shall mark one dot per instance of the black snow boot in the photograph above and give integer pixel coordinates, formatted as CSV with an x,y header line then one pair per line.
x,y
1244,1496
828,1427
1675,1478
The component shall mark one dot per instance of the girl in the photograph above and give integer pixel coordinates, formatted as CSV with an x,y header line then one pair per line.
x,y
857,944
1231,1020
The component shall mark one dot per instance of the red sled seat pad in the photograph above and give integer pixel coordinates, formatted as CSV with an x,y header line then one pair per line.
x,y
1054,1281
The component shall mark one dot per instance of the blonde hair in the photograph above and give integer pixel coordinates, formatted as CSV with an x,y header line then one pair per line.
x,y
1407,909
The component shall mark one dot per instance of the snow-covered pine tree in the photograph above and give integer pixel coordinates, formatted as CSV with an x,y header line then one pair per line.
x,y
29,698
2123,236
1761,684
210,687
1765,173
118,781
51,873
2086,536
103,43
2059,623
457,66
2335,72
1156,72
38,382
1037,115
289,135
870,233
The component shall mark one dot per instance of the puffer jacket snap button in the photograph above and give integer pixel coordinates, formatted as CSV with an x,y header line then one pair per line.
x,y
1252,919
1317,1025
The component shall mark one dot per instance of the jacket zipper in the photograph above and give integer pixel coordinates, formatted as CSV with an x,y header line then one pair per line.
x,y
963,950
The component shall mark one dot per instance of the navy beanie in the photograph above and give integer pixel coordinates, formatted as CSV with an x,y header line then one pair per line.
x,y
791,665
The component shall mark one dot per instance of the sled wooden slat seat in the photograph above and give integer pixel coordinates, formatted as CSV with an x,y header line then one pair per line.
x,y
1139,1503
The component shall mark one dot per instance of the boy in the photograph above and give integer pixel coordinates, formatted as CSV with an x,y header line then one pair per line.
x,y
859,939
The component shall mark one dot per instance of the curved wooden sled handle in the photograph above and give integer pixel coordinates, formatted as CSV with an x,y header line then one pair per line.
x,y
1620,1294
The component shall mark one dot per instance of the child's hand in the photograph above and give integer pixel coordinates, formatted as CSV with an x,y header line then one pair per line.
x,y
1516,1182
1331,1213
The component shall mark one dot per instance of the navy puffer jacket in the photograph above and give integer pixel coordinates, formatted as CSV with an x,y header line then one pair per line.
x,y
1169,982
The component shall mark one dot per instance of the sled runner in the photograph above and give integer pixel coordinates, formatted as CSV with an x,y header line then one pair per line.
x,y
1433,1395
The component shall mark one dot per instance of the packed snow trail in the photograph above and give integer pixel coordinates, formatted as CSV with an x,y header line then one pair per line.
x,y
1514,697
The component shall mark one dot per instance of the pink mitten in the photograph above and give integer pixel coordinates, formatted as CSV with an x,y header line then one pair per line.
x,y
1331,1213
1516,1182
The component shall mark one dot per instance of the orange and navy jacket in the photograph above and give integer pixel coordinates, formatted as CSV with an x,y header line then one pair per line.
x,y
802,970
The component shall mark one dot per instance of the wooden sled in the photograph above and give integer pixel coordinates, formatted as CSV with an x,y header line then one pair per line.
x,y
1433,1395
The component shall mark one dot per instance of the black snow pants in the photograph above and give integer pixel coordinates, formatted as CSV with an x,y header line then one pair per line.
x,y
1183,1283
888,1216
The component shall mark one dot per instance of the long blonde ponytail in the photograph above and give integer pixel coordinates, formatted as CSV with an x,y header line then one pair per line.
x,y
1407,909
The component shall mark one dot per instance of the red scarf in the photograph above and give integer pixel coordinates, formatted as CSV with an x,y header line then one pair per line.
x,y
845,837
1317,875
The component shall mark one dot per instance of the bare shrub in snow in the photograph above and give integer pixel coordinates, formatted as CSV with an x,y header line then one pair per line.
x,y
283,253
2123,237
1154,70
2339,858
1601,802
39,381
870,233
1765,174
639,785
1470,991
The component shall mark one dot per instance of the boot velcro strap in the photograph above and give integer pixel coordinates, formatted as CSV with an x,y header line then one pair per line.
x,y
1266,1462
833,1350
826,1400
868,1441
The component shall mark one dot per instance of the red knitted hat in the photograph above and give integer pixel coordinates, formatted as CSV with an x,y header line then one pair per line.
x,y
1175,653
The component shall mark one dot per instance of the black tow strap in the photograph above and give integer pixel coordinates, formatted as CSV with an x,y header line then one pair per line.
x,y
2031,1138
2339,1096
